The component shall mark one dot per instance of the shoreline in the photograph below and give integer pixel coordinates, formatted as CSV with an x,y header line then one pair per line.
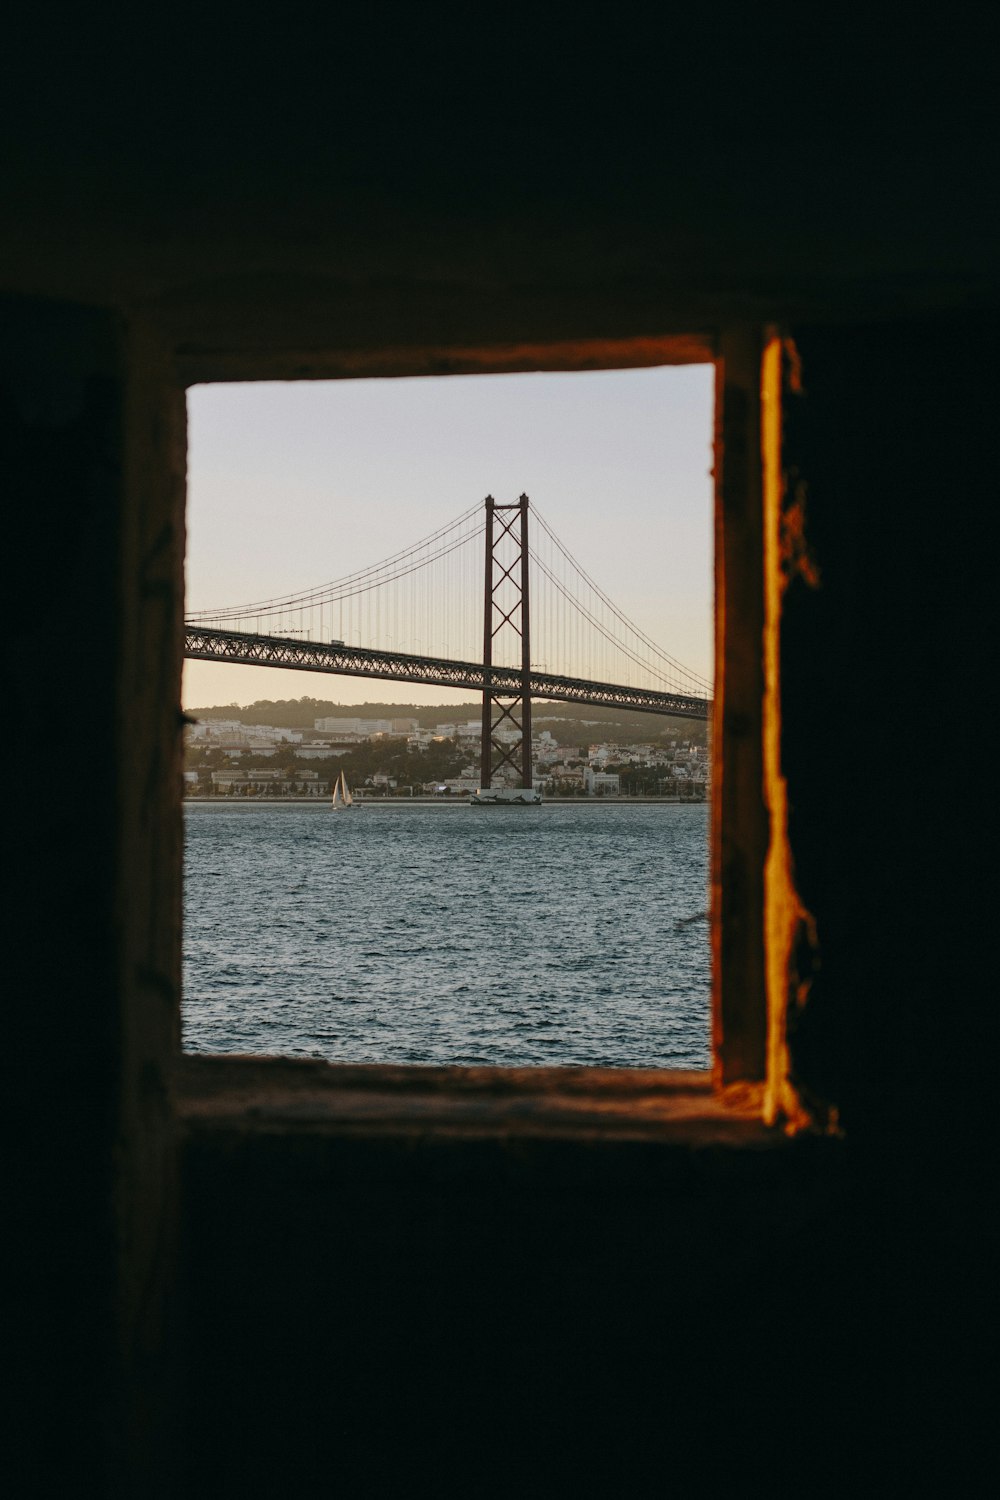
x,y
447,801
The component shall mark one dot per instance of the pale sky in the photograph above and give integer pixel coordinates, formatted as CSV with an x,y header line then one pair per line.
x,y
291,484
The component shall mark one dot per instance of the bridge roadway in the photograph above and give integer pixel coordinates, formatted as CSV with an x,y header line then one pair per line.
x,y
399,666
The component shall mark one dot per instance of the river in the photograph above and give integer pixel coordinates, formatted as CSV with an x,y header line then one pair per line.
x,y
392,932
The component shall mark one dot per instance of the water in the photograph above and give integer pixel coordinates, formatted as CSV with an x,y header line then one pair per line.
x,y
447,934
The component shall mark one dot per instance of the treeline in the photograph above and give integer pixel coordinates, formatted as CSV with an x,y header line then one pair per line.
x,y
301,713
383,757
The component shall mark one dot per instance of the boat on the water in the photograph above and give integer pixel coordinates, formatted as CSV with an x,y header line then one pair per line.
x,y
518,796
341,794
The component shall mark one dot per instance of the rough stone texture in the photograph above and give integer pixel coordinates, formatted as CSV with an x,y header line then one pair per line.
x,y
739,820
893,439
597,1105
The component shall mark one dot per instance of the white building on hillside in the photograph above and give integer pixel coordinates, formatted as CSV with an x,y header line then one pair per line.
x,y
601,783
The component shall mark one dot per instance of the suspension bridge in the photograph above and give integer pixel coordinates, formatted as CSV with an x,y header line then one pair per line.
x,y
475,606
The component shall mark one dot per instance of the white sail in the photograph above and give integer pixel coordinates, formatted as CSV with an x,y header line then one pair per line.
x,y
341,793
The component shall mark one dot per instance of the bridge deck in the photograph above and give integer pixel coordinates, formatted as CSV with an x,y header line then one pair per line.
x,y
399,666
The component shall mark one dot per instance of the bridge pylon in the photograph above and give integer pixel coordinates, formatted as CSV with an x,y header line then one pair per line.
x,y
506,603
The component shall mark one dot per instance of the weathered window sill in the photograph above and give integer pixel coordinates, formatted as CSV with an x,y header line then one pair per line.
x,y
545,1124
273,1093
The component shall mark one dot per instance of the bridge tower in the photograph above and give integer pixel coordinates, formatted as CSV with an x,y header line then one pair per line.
x,y
506,604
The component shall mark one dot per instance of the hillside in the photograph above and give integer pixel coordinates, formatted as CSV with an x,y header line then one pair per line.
x,y
614,724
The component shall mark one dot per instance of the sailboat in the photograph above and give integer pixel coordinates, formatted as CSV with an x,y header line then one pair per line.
x,y
341,793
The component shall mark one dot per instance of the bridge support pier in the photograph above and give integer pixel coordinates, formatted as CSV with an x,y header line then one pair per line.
x,y
506,603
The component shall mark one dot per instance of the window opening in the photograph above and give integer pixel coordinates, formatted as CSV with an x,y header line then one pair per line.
x,y
418,928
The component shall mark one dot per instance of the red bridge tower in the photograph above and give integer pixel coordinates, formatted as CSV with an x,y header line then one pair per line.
x,y
506,605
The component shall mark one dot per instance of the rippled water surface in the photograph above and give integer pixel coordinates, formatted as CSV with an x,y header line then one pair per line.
x,y
448,934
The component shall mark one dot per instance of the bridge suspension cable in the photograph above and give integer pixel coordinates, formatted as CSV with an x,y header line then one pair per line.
x,y
640,650
426,600
364,579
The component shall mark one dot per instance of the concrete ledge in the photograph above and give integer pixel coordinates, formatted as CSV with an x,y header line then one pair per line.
x,y
265,1094
300,1141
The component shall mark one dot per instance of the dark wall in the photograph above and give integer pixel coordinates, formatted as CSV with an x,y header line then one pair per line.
x,y
570,176
496,1317
889,691
599,1319
61,430
588,174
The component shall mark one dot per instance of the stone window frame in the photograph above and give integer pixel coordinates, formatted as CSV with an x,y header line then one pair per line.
x,y
750,1065
174,1104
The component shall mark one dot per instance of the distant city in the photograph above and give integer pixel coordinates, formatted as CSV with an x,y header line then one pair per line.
x,y
231,753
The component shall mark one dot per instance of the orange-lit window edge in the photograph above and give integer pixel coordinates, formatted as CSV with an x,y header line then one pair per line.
x,y
748,1082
